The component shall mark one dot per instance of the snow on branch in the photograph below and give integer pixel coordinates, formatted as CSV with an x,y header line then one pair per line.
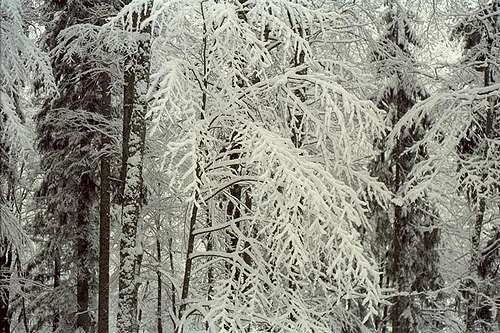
x,y
21,64
453,116
305,251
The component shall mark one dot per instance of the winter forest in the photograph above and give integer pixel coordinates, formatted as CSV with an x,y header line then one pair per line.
x,y
232,166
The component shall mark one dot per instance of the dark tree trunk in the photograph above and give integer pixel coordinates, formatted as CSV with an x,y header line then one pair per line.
x,y
210,270
5,274
472,298
172,286
159,324
82,252
138,265
189,260
194,210
399,324
296,116
23,274
57,283
472,295
210,282
235,208
104,213
233,211
403,166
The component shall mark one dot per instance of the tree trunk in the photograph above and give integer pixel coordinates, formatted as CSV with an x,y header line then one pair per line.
x,y
159,290
296,116
5,273
210,269
194,210
159,324
138,265
234,208
57,282
233,211
104,213
400,323
189,261
23,275
134,135
172,286
82,252
472,294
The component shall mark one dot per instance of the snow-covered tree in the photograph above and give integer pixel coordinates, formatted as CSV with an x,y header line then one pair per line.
x,y
463,122
234,103
480,143
69,127
135,108
406,234
20,65
254,165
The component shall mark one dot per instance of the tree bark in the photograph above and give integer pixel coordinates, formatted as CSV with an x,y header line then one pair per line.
x,y
234,208
399,323
472,297
189,261
400,224
194,210
159,324
133,145
104,213
210,269
57,282
159,291
82,252
23,314
472,294
172,286
5,273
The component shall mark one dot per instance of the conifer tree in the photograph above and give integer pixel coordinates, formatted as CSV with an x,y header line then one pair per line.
x,y
480,34
409,227
463,133
67,143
